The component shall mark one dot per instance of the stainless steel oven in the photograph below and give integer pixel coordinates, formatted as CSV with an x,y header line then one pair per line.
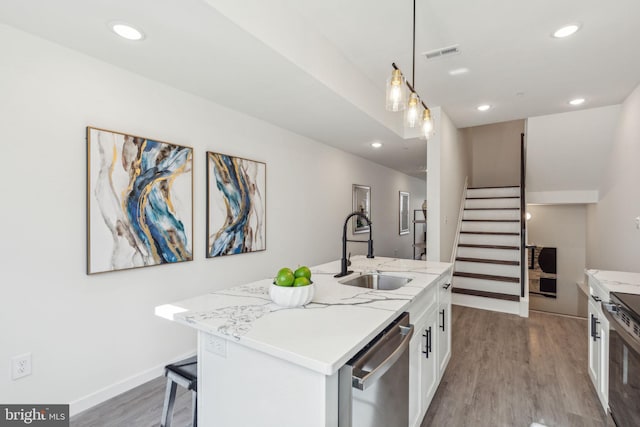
x,y
623,313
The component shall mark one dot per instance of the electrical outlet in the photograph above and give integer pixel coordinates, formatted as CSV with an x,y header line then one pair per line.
x,y
638,222
20,366
216,345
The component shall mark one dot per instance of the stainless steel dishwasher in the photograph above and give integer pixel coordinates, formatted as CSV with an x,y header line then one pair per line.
x,y
374,384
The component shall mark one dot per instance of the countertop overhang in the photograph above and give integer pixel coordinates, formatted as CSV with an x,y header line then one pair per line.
x,y
616,281
324,334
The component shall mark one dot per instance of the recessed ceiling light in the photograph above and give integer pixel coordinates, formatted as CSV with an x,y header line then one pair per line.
x,y
484,107
458,71
126,31
376,144
576,101
566,31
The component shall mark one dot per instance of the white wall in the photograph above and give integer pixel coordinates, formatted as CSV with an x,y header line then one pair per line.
x,y
448,164
495,153
613,241
89,333
565,154
562,227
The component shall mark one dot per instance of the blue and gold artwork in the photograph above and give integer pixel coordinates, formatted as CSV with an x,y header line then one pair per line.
x,y
140,202
235,205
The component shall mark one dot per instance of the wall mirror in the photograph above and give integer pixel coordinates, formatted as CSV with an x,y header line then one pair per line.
x,y
362,204
404,212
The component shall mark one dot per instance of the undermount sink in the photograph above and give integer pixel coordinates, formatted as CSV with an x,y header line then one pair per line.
x,y
383,282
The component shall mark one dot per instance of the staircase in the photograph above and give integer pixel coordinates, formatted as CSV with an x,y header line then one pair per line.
x,y
487,264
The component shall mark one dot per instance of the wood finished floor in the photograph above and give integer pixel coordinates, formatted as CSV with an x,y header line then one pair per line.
x,y
140,407
510,371
505,371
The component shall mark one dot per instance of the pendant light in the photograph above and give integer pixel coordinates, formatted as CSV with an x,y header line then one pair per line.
x,y
414,115
396,91
427,124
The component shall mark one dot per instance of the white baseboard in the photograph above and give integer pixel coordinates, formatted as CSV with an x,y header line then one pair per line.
x,y
524,307
113,390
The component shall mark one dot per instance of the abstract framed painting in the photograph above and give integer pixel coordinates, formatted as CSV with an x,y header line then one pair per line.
x,y
139,202
236,205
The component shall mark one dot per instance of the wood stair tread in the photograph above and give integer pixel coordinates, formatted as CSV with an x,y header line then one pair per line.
x,y
488,261
491,209
485,294
469,245
487,277
491,220
492,197
497,186
499,233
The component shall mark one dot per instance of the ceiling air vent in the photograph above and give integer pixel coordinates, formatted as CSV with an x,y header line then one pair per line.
x,y
442,52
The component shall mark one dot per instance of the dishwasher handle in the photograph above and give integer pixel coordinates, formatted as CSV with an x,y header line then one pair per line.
x,y
364,381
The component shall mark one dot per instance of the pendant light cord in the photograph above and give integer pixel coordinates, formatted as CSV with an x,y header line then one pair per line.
x,y
413,58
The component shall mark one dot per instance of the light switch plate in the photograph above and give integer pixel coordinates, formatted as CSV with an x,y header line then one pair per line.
x,y
638,222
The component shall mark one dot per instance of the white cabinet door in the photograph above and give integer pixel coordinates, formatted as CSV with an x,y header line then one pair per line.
x,y
599,352
603,381
429,362
594,346
444,336
444,326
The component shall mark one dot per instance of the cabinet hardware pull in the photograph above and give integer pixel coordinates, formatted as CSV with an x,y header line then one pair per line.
x,y
429,350
594,328
442,326
426,343
596,298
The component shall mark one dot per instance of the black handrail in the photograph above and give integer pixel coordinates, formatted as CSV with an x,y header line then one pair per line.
x,y
523,216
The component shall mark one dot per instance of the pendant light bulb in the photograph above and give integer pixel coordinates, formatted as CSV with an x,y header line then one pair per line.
x,y
427,124
412,115
396,92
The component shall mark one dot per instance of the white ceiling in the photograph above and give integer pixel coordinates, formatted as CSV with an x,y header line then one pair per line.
x,y
317,67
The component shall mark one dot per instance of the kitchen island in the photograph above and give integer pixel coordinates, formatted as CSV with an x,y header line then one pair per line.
x,y
262,365
601,284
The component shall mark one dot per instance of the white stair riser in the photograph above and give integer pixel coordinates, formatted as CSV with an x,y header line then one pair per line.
x,y
486,285
492,203
494,227
485,268
484,253
491,304
492,214
489,239
494,192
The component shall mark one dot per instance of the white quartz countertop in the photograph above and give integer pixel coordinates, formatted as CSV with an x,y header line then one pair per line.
x,y
324,334
617,281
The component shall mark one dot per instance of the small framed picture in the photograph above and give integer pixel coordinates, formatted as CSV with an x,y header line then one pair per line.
x,y
362,204
404,212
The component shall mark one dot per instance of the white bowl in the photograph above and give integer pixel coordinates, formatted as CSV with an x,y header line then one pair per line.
x,y
291,296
